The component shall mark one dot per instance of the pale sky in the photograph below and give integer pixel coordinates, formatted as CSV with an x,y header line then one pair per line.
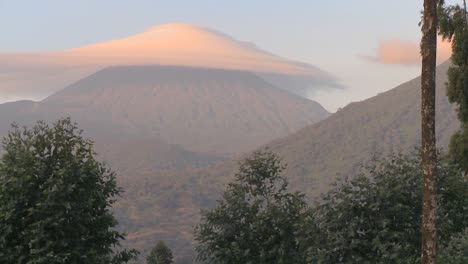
x,y
341,37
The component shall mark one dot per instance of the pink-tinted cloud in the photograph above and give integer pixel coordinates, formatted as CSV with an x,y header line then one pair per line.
x,y
39,73
401,52
188,45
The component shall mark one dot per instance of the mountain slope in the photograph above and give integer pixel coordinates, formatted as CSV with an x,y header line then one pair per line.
x,y
203,110
149,155
340,145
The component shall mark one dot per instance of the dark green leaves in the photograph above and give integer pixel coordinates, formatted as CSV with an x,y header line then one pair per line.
x,y
55,199
256,221
376,216
160,254
453,26
456,251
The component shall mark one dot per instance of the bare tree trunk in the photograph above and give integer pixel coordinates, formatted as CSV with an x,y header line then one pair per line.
x,y
464,12
428,52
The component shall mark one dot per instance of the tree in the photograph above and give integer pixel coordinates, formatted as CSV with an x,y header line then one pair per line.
x,y
456,251
256,220
160,254
453,27
55,199
376,216
428,150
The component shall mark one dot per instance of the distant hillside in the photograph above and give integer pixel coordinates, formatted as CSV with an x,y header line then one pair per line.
x,y
338,146
140,156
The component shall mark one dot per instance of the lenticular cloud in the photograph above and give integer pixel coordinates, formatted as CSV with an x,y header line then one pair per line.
x,y
36,74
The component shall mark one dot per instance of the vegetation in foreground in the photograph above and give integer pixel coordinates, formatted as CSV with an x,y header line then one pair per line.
x,y
373,218
55,199
55,207
160,254
376,216
453,26
257,220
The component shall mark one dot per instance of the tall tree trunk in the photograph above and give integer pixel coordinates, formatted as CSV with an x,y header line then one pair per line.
x,y
429,52
464,11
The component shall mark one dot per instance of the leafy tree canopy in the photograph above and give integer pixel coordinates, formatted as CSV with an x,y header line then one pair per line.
x,y
160,254
456,251
376,216
453,27
256,221
55,199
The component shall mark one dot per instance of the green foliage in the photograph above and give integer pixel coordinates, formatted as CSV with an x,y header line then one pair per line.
x,y
256,221
160,254
456,251
453,27
376,216
55,199
459,147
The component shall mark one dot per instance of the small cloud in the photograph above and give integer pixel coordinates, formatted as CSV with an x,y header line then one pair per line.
x,y
402,52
